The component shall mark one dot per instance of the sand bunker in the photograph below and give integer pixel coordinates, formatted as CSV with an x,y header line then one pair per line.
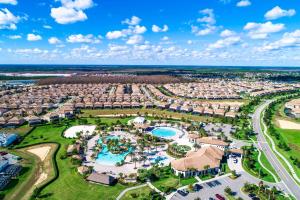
x,y
285,124
42,178
72,132
41,152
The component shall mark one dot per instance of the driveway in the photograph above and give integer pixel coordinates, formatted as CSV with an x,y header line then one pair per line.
x,y
235,163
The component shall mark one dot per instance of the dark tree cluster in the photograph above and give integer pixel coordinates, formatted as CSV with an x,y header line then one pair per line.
x,y
118,79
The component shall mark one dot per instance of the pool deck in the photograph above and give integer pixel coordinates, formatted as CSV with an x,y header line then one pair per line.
x,y
129,166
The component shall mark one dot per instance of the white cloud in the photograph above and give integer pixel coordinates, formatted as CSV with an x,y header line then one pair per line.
x,y
227,33
262,30
133,21
114,35
15,37
206,31
157,29
8,20
33,37
54,40
207,23
165,38
229,41
189,42
135,39
277,12
79,38
209,17
71,11
12,2
47,27
139,29
288,40
243,3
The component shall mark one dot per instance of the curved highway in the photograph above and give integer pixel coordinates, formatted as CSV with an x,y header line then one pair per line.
x,y
286,179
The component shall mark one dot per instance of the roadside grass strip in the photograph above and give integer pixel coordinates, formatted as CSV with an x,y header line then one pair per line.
x,y
273,146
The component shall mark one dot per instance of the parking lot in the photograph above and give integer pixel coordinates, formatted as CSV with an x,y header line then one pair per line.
x,y
211,188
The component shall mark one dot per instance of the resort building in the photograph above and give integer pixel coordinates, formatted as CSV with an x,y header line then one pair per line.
x,y
101,178
213,142
205,160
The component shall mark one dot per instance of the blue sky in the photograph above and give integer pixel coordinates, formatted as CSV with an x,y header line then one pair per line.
x,y
190,32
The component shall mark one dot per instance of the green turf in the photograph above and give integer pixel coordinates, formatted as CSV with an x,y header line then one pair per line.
x,y
268,177
138,194
173,182
69,185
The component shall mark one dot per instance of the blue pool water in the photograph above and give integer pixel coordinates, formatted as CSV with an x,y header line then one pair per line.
x,y
107,158
164,132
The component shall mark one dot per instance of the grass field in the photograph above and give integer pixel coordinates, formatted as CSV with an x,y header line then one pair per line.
x,y
69,185
259,170
173,182
138,194
152,112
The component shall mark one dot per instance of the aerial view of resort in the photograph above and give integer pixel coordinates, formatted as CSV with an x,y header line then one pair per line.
x,y
149,100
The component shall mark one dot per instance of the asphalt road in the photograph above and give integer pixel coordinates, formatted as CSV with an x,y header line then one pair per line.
x,y
286,178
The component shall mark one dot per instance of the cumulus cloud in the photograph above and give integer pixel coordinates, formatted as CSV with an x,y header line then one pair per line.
x,y
243,3
262,30
288,40
222,43
189,42
139,29
207,23
115,35
277,12
14,37
33,37
135,39
71,11
157,29
133,29
12,2
79,38
8,20
209,17
227,33
54,40
133,21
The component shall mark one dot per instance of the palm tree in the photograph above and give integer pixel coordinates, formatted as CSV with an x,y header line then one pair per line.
x,y
135,160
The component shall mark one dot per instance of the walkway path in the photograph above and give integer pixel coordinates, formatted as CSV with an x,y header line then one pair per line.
x,y
128,189
287,179
260,162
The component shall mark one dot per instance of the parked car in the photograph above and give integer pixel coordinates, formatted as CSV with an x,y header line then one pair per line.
x,y
182,193
197,187
220,197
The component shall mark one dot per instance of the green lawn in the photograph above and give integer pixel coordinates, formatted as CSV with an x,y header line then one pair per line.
x,y
173,182
258,170
139,194
153,112
69,185
267,164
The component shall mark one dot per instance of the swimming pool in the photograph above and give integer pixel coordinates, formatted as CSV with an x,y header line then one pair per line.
x,y
105,157
164,132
